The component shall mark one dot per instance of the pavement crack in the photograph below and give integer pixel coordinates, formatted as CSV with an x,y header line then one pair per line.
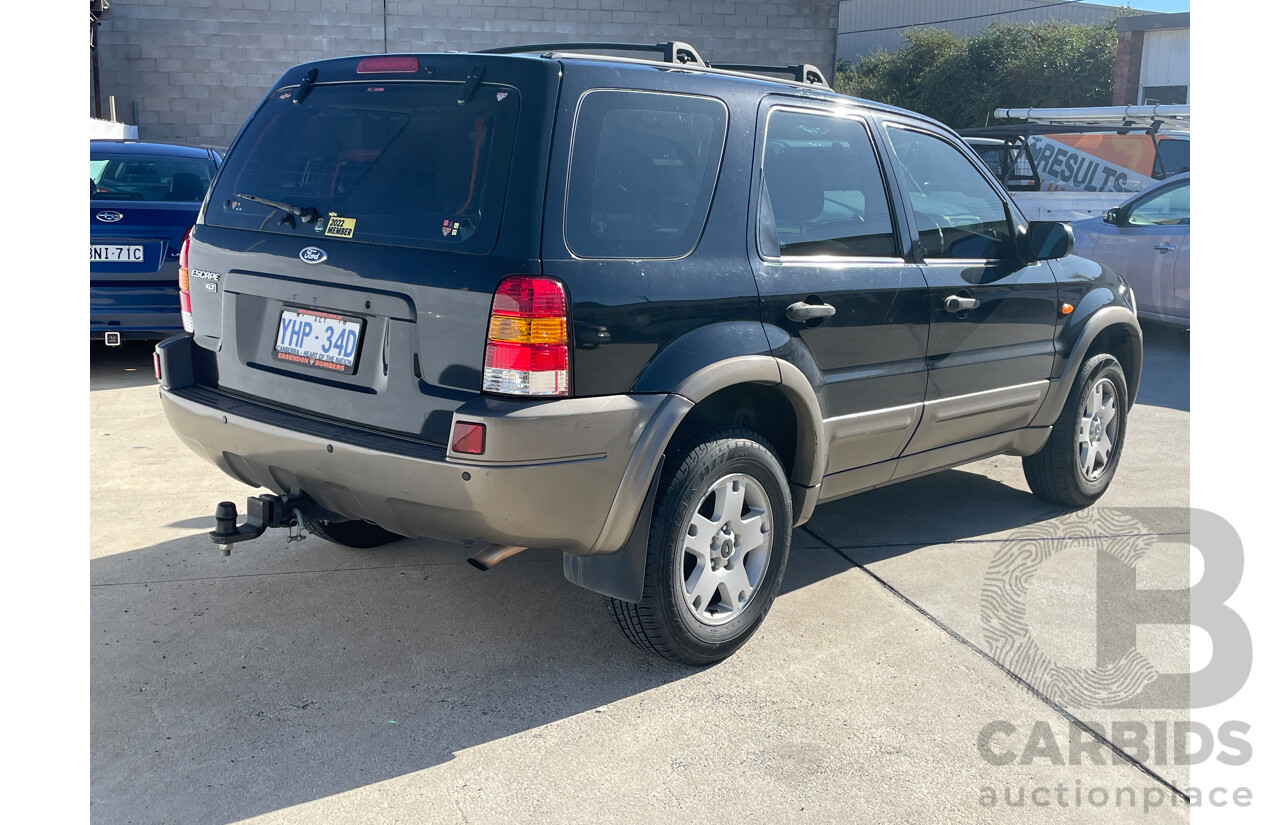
x,y
1030,688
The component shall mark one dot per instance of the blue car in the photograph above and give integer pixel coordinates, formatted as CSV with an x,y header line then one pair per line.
x,y
143,199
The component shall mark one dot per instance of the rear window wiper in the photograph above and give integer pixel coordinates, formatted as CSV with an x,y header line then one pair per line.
x,y
307,214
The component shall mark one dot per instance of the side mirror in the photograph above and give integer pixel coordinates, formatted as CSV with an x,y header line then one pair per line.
x,y
1047,240
1112,217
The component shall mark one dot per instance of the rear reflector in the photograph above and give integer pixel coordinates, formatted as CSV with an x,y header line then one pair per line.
x,y
467,438
374,65
528,348
155,358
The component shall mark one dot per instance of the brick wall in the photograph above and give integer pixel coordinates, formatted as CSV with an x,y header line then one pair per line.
x,y
196,68
1128,69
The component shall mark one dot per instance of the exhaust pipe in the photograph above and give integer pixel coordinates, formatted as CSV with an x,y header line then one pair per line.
x,y
487,558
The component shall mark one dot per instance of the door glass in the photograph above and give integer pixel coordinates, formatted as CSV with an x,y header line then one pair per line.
x,y
825,188
1169,208
958,214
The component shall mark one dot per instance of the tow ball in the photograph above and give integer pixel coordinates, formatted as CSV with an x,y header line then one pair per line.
x,y
263,512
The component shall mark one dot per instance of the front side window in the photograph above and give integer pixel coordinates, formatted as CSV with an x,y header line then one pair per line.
x,y
643,169
959,215
378,162
1171,207
138,177
824,188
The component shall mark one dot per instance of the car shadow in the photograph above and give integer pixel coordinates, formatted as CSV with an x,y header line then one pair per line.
x,y
115,368
227,688
1166,367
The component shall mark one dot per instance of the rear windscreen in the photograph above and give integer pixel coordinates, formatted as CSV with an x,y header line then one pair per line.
x,y
135,177
398,163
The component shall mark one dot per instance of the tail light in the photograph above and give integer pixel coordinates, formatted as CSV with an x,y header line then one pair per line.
x,y
528,348
184,284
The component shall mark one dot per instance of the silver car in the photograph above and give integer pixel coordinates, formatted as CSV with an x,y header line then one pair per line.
x,y
1147,239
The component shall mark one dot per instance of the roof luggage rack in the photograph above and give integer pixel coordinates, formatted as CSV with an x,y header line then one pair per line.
x,y
801,72
672,52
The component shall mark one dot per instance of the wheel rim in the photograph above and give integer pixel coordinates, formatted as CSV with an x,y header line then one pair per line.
x,y
726,549
1096,433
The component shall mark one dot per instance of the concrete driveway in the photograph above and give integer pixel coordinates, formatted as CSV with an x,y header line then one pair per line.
x,y
304,682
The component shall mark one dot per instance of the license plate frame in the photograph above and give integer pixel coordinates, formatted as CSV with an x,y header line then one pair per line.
x,y
124,253
304,346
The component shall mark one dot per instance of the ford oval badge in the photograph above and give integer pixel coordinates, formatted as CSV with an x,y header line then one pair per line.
x,y
313,255
110,216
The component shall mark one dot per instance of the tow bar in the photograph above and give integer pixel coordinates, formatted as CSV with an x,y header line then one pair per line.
x,y
264,511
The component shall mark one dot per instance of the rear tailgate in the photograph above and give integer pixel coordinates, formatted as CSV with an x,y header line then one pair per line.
x,y
412,195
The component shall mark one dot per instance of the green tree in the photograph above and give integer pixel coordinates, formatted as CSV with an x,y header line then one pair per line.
x,y
960,80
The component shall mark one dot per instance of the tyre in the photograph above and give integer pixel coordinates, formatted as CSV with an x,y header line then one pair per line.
x,y
358,534
718,547
1077,463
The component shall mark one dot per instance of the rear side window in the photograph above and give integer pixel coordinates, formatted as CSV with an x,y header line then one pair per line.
x,y
958,213
643,170
395,163
1175,156
134,177
825,188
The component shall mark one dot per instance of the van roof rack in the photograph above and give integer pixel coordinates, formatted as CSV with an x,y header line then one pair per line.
x,y
673,51
800,72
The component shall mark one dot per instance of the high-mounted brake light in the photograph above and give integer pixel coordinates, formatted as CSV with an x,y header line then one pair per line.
x,y
184,283
376,65
528,348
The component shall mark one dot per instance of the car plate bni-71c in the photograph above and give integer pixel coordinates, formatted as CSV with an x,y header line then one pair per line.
x,y
318,339
115,253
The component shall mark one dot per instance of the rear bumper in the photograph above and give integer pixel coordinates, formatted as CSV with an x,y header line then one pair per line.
x,y
571,474
137,310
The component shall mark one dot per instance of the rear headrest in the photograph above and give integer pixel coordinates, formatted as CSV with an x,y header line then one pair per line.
x,y
185,186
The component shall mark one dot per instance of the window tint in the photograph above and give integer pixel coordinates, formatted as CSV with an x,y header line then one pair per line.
x,y
1175,155
400,163
958,214
148,177
1169,208
824,187
643,169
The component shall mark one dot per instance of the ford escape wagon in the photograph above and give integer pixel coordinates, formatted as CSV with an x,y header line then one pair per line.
x,y
647,312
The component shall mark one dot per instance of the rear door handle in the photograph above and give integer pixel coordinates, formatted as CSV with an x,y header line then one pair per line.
x,y
1165,247
957,303
801,311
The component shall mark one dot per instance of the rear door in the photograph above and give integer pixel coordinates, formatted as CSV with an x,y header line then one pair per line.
x,y
833,275
992,317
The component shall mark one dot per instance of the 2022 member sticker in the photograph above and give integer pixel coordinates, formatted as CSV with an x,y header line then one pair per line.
x,y
340,227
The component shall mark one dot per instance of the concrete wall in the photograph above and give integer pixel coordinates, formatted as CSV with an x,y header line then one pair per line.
x,y
196,68
867,25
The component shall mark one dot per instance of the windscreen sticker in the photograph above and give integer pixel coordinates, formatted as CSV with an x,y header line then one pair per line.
x,y
340,227
501,96
449,228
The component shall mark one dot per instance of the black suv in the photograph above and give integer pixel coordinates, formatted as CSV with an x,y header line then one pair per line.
x,y
649,313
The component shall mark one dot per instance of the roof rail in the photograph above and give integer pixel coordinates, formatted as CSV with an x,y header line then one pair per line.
x,y
673,51
801,72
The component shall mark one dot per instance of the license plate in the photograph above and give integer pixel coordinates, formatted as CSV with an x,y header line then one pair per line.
x,y
115,253
318,339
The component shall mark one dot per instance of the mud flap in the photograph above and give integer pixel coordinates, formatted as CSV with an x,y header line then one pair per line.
x,y
619,575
